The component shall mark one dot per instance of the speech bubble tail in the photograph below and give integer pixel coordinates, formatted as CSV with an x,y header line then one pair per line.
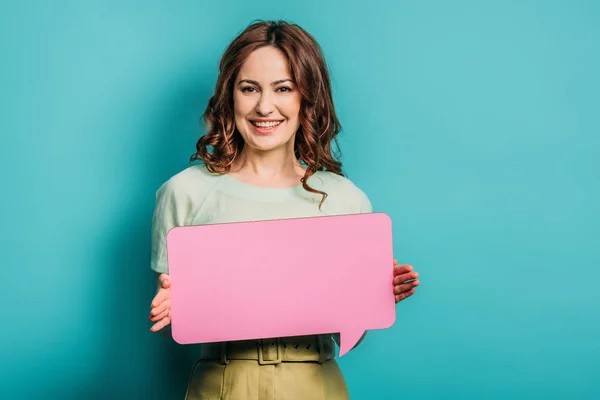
x,y
349,339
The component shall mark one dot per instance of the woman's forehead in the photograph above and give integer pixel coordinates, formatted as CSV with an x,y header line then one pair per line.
x,y
265,65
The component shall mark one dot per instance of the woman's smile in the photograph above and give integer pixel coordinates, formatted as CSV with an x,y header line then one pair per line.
x,y
264,126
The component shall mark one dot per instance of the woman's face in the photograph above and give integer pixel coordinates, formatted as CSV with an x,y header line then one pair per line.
x,y
266,101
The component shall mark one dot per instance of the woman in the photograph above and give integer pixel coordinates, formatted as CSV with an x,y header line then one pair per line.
x,y
267,155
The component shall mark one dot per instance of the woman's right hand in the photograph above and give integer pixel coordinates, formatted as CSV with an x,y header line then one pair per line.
x,y
160,311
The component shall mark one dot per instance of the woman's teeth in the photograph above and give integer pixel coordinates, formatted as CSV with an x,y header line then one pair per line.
x,y
266,124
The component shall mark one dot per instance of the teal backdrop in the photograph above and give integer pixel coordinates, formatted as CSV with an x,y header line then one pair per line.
x,y
474,124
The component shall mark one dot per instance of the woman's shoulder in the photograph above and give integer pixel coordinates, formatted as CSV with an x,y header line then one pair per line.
x,y
193,181
342,193
332,181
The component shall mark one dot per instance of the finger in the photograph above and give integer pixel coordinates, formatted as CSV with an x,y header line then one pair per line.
x,y
161,296
402,269
164,280
406,287
395,262
405,295
404,278
160,308
166,313
160,324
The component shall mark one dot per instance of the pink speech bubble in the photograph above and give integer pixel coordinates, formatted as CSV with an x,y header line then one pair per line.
x,y
281,278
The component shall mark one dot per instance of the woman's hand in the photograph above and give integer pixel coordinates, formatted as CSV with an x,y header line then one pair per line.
x,y
160,311
405,281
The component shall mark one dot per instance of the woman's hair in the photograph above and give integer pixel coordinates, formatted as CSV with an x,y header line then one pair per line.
x,y
319,124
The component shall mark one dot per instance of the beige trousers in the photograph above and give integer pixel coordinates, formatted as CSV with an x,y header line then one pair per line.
x,y
300,368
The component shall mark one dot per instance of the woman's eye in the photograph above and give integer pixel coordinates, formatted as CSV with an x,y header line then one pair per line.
x,y
247,89
285,89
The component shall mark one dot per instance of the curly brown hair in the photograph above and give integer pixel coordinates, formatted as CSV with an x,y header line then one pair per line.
x,y
319,124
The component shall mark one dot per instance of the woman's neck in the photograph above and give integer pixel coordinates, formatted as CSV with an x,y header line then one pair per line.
x,y
268,169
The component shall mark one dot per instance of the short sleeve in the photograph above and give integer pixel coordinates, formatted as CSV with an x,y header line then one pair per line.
x,y
172,208
364,203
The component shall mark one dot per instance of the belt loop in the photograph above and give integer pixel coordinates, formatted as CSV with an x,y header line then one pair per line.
x,y
224,359
322,353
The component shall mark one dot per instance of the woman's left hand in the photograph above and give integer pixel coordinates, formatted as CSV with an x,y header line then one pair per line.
x,y
405,281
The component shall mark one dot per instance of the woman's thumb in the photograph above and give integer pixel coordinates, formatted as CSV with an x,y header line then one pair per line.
x,y
165,282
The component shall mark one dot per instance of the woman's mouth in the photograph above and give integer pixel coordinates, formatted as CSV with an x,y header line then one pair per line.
x,y
264,127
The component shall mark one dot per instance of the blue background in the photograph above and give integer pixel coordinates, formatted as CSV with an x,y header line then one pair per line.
x,y
474,124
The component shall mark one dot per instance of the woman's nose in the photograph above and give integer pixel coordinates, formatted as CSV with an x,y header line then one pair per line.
x,y
265,105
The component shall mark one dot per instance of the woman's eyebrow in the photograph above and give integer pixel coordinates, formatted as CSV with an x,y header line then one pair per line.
x,y
250,81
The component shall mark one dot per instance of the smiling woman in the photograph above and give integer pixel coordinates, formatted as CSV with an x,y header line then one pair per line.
x,y
267,155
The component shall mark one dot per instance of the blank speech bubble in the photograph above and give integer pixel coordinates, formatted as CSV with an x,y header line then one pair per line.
x,y
282,278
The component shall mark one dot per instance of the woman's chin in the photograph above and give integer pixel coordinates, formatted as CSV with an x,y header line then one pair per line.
x,y
272,143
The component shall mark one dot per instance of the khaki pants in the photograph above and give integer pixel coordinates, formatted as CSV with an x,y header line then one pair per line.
x,y
300,368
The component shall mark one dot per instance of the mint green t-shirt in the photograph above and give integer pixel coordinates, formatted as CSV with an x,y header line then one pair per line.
x,y
195,196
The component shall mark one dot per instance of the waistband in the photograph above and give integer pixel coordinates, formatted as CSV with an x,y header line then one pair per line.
x,y
315,348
